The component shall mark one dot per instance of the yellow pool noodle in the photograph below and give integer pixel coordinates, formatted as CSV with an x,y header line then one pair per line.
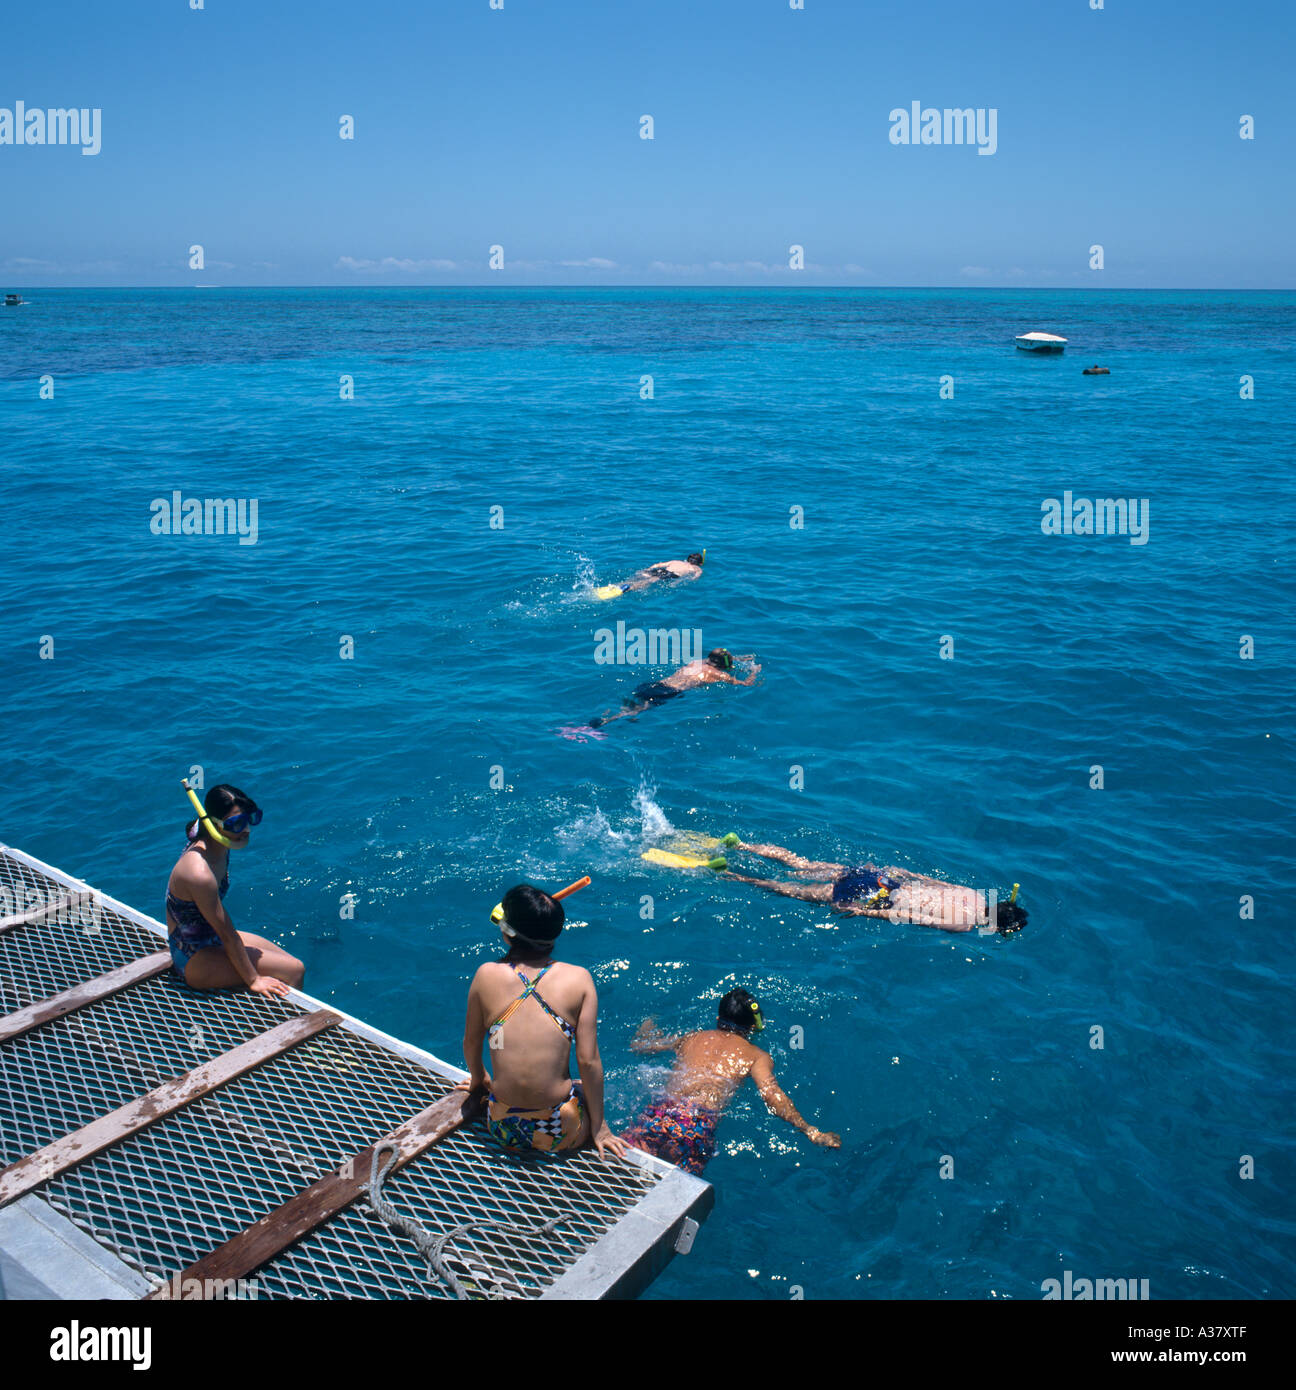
x,y
682,861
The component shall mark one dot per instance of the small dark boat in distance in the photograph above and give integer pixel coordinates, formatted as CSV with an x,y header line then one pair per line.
x,y
1097,371
11,300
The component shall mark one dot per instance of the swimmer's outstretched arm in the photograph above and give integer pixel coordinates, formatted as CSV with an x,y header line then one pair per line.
x,y
751,680
779,1103
650,1038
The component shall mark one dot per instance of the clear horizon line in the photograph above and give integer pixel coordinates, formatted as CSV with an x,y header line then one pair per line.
x,y
658,285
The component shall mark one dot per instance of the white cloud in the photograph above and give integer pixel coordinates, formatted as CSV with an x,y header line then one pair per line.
x,y
393,263
27,265
746,267
591,263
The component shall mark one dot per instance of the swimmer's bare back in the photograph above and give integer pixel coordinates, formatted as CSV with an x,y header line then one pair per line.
x,y
710,1066
702,672
667,569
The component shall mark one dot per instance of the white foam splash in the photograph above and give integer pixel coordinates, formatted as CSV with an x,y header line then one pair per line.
x,y
583,581
653,824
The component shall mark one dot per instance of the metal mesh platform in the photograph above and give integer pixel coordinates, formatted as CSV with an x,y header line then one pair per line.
x,y
167,1195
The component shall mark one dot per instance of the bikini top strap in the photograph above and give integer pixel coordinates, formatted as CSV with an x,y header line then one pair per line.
x,y
530,990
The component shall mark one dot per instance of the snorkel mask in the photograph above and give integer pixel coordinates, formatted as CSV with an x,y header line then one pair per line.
x,y
755,1023
726,660
235,824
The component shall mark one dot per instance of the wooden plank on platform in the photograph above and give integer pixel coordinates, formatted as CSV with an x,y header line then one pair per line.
x,y
45,911
87,992
129,1119
300,1215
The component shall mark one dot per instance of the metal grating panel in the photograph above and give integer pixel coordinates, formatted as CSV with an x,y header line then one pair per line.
x,y
44,958
167,1196
465,1178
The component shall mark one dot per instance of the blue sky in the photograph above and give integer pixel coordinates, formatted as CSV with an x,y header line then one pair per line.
x,y
520,127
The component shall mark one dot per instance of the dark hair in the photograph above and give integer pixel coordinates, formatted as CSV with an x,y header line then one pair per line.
x,y
720,658
695,558
1009,918
218,803
737,1013
532,913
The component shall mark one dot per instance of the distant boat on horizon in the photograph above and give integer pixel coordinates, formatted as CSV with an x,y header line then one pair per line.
x,y
11,300
1040,342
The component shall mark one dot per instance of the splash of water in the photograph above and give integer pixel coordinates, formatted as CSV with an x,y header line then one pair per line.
x,y
583,583
653,824
604,840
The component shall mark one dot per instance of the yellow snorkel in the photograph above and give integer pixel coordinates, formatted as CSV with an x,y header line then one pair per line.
x,y
1013,899
203,816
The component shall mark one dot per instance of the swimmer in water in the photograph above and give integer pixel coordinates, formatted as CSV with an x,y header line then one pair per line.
x,y
206,950
690,568
717,668
893,893
709,1067
532,1101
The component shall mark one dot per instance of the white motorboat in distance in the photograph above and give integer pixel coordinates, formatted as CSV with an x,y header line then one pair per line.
x,y
1040,342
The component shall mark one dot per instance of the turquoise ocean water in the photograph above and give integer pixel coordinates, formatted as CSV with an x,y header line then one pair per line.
x,y
474,645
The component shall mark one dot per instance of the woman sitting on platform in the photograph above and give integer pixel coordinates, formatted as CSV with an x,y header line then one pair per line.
x,y
206,950
533,1103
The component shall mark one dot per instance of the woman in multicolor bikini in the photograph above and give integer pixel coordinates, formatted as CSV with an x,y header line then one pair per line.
x,y
206,950
532,1101
710,1066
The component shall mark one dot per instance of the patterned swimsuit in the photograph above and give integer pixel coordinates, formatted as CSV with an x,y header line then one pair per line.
x,y
192,931
547,1130
679,1130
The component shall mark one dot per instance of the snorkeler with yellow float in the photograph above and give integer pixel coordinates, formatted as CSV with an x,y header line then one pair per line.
x,y
855,889
206,950
690,568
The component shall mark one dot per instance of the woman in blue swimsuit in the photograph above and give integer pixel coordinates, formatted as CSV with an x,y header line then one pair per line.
x,y
205,948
